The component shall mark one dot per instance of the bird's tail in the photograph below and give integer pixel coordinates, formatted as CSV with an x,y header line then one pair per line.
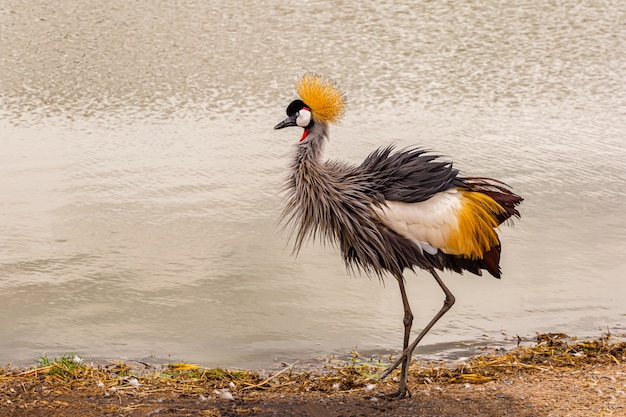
x,y
508,201
499,192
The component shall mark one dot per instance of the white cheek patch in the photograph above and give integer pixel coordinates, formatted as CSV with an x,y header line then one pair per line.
x,y
304,118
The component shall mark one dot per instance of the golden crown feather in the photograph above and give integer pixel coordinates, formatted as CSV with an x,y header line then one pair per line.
x,y
322,96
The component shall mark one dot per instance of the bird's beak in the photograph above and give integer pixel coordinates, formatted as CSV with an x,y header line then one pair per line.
x,y
289,121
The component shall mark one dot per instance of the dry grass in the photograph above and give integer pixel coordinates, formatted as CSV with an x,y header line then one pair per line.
x,y
551,352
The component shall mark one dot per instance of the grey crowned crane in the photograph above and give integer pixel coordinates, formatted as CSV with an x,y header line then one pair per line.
x,y
397,210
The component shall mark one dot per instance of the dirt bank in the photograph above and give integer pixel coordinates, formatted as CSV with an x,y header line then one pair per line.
x,y
553,378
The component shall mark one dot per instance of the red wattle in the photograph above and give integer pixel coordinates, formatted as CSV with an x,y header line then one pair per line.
x,y
306,132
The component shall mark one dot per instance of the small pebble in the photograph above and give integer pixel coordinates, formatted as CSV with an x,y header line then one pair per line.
x,y
225,394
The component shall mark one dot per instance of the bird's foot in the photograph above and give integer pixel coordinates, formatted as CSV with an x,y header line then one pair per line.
x,y
402,392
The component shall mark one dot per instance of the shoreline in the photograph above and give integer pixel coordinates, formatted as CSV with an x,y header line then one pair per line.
x,y
555,377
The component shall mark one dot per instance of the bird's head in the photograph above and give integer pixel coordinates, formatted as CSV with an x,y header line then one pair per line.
x,y
320,101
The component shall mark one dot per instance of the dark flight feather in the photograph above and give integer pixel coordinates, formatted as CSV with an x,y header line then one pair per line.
x,y
410,175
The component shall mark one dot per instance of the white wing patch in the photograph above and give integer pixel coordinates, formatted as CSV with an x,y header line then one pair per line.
x,y
428,223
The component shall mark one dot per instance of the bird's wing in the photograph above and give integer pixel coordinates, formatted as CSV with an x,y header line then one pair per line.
x,y
409,175
414,194
423,199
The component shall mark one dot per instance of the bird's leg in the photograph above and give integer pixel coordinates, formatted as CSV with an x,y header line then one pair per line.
x,y
408,351
408,321
404,359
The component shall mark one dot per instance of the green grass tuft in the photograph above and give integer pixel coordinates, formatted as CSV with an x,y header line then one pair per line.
x,y
69,364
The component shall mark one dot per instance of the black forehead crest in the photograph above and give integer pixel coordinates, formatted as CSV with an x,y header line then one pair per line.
x,y
295,106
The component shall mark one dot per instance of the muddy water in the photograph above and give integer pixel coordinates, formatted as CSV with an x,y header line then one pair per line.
x,y
139,172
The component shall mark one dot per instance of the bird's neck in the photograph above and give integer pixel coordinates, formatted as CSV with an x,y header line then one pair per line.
x,y
309,184
310,149
313,180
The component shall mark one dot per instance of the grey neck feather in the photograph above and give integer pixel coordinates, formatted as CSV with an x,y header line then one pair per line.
x,y
311,148
310,190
